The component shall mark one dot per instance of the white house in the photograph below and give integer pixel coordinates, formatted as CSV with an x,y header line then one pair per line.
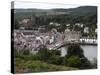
x,y
86,30
71,36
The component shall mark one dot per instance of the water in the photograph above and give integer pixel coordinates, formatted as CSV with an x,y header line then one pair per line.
x,y
90,51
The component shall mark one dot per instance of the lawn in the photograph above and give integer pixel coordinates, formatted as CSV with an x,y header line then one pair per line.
x,y
28,66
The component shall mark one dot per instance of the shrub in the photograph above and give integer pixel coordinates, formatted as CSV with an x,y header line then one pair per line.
x,y
44,54
15,53
55,60
55,52
85,63
94,63
26,52
74,61
64,61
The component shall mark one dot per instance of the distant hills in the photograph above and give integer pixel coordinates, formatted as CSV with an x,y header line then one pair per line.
x,y
86,15
82,9
79,11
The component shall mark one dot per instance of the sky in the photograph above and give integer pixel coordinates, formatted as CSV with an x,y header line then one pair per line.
x,y
42,5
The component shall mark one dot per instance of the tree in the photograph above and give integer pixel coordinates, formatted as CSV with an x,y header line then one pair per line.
x,y
85,63
75,50
55,59
75,56
16,24
44,54
55,52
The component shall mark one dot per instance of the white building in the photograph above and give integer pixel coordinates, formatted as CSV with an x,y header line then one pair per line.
x,y
71,36
86,30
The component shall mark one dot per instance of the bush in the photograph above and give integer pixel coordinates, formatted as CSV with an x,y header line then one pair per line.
x,y
15,53
44,54
55,52
74,61
94,63
64,61
57,60
85,63
26,52
21,52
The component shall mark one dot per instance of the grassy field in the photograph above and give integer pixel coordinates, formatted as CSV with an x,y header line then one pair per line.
x,y
28,66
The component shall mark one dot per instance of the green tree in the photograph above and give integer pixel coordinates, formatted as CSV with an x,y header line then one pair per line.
x,y
55,59
75,50
26,51
16,24
75,55
74,61
44,54
55,52
85,63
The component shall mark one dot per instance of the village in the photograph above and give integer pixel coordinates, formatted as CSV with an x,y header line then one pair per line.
x,y
33,40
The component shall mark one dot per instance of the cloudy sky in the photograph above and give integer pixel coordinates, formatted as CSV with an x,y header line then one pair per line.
x,y
42,5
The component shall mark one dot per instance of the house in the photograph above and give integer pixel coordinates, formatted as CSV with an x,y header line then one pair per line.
x,y
79,25
86,30
54,23
96,30
71,36
24,21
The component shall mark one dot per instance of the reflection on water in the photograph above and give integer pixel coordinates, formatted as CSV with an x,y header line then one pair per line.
x,y
90,51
